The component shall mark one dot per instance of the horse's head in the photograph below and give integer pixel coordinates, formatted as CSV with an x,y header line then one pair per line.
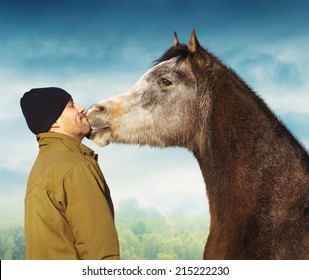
x,y
161,109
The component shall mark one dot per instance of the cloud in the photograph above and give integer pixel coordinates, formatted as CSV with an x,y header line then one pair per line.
x,y
162,178
277,71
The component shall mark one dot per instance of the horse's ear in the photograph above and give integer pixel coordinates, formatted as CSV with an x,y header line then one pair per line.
x,y
194,45
201,60
176,42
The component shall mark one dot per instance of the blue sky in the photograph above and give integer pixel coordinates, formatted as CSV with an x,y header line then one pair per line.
x,y
96,49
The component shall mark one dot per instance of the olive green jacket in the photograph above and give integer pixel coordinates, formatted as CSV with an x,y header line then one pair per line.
x,y
68,208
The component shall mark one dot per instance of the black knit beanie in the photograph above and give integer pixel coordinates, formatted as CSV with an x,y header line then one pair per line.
x,y
43,106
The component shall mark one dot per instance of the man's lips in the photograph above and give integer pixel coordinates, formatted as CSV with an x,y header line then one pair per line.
x,y
82,116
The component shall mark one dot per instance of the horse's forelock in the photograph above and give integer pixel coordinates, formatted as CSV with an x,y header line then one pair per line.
x,y
181,51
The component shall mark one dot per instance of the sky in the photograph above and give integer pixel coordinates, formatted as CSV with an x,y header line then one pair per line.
x,y
97,49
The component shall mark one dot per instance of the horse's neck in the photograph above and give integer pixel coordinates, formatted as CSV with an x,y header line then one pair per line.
x,y
244,158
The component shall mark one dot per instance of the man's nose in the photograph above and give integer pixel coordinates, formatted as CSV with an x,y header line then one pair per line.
x,y
80,108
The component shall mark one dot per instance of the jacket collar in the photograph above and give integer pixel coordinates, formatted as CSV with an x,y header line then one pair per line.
x,y
47,139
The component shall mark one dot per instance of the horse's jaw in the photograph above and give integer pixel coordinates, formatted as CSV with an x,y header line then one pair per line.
x,y
100,136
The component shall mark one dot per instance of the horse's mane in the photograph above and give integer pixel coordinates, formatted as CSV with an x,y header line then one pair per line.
x,y
181,51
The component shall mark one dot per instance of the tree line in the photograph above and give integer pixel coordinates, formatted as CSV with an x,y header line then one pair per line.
x,y
144,234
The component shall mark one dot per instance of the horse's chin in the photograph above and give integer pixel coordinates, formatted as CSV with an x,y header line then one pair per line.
x,y
100,137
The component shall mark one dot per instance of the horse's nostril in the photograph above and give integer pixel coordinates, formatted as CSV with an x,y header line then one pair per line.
x,y
96,109
101,108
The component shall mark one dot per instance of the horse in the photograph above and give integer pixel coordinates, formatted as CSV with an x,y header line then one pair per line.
x,y
255,171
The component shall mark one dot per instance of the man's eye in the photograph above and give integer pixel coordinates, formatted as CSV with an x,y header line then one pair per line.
x,y
164,82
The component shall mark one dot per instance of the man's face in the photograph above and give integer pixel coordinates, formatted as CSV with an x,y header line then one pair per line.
x,y
73,121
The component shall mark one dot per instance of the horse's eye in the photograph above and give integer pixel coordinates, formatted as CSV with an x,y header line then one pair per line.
x,y
164,82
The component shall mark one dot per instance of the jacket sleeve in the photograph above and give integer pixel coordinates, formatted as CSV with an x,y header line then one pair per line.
x,y
89,215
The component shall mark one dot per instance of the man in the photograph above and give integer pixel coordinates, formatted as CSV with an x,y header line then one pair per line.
x,y
69,213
